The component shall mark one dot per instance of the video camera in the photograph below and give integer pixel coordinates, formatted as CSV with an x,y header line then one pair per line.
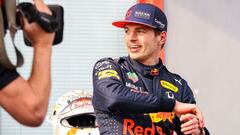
x,y
50,23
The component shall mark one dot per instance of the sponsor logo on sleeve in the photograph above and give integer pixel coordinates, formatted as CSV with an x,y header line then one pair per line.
x,y
107,74
170,94
135,88
103,65
179,81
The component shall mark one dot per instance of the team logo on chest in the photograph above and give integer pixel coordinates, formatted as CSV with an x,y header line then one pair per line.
x,y
132,76
154,71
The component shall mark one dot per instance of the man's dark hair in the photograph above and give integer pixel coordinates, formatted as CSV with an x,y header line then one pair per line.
x,y
157,33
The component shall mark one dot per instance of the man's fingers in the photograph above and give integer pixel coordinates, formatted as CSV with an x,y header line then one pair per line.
x,y
190,124
189,129
189,120
41,6
184,108
187,117
200,118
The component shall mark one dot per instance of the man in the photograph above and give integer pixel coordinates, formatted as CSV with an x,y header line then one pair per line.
x,y
27,100
137,94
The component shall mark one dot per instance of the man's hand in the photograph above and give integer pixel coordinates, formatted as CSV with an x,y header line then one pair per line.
x,y
184,108
190,124
34,33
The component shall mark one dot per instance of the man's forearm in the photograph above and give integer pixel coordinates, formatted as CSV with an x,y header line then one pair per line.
x,y
40,79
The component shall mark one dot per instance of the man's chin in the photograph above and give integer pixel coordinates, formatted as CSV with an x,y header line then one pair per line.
x,y
135,57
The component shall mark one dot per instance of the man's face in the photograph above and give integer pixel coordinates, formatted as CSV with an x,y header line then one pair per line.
x,y
142,43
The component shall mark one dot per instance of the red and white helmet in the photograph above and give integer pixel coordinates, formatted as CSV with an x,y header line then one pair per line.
x,y
73,114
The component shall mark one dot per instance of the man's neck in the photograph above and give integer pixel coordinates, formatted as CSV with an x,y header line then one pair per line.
x,y
149,62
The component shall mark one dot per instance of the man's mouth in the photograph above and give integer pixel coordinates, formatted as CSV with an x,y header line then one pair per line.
x,y
134,48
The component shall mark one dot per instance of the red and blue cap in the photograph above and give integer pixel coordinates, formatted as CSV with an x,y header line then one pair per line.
x,y
145,14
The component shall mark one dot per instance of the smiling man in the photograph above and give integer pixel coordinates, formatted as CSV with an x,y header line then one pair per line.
x,y
137,94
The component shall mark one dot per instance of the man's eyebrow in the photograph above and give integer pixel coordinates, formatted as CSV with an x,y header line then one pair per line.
x,y
137,27
142,28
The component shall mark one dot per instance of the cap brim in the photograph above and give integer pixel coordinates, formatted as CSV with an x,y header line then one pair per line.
x,y
122,23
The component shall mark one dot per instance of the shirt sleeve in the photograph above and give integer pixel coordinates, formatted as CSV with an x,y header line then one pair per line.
x,y
110,93
7,76
188,96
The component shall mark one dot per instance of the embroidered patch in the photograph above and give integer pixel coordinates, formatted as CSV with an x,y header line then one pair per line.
x,y
107,74
169,86
132,76
162,116
154,71
142,14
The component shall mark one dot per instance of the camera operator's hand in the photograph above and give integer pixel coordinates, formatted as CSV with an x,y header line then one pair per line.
x,y
34,33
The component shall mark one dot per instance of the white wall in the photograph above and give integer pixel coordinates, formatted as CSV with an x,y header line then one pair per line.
x,y
203,46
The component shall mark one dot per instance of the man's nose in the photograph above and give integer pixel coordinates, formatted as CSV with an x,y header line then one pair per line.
x,y
132,36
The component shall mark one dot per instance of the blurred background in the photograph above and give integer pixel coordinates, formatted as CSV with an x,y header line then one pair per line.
x,y
202,46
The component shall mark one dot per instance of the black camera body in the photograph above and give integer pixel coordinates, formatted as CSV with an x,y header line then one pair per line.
x,y
50,23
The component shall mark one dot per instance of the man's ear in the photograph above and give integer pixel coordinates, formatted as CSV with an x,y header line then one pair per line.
x,y
162,38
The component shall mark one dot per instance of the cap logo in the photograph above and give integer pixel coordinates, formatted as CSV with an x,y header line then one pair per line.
x,y
128,13
142,14
159,23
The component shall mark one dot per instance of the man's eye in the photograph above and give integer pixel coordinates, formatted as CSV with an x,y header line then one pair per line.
x,y
141,31
126,31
